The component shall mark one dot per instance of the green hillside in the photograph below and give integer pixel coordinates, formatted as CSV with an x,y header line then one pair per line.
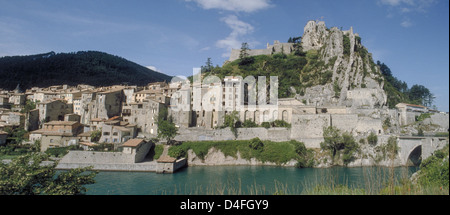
x,y
295,72
84,67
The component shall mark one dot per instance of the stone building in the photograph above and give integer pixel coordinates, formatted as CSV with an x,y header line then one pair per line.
x,y
4,101
409,112
44,96
17,99
54,110
144,115
101,104
137,147
57,134
114,132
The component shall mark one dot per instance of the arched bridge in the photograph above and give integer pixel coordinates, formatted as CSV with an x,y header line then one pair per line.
x,y
414,149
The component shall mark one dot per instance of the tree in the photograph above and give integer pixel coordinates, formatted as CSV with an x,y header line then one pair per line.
x,y
29,105
26,176
421,95
336,142
244,56
231,120
392,147
350,147
244,51
208,66
332,140
96,135
167,130
166,127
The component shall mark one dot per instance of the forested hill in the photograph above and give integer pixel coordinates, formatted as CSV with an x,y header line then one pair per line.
x,y
84,67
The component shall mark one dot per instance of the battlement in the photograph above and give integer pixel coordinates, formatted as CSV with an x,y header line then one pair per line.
x,y
277,47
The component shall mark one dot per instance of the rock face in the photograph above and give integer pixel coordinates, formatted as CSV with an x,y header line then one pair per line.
x,y
357,82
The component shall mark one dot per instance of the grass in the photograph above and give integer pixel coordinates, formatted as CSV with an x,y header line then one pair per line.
x,y
276,152
158,151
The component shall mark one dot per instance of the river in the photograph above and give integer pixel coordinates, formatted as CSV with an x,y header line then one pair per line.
x,y
241,180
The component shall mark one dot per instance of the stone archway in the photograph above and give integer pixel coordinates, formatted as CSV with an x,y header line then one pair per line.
x,y
415,156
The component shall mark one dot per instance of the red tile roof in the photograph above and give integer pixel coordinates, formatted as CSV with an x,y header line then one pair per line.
x,y
133,143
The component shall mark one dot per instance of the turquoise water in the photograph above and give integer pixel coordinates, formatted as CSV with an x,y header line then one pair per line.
x,y
261,180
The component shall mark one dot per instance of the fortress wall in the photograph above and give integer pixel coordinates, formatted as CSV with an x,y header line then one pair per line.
x,y
279,134
367,124
309,126
345,122
87,157
440,119
273,134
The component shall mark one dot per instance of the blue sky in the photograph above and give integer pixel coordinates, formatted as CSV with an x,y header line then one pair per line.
x,y
173,36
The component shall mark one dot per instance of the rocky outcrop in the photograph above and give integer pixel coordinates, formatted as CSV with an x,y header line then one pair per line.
x,y
357,81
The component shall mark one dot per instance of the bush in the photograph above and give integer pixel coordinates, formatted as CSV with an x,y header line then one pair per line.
x,y
61,151
434,171
256,144
265,124
346,45
306,157
281,123
372,139
249,124
350,148
339,143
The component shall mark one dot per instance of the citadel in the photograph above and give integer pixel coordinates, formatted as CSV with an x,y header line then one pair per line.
x,y
126,116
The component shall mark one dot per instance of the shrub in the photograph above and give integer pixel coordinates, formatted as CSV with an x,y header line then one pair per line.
x,y
350,147
256,144
60,151
281,123
249,124
265,124
346,45
434,171
372,139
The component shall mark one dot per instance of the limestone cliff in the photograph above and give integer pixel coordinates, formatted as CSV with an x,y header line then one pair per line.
x,y
356,81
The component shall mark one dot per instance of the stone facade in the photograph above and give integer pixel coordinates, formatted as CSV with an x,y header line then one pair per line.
x,y
58,134
144,115
54,110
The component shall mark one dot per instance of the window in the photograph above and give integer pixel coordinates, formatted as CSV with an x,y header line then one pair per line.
x,y
106,133
115,134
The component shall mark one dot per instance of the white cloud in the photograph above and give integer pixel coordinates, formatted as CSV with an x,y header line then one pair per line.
x,y
407,8
234,40
234,5
406,23
409,5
